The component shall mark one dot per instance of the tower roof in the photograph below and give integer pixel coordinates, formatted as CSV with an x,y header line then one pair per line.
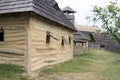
x,y
68,9
46,8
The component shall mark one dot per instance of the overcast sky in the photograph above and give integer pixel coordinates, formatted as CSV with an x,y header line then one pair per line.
x,y
82,7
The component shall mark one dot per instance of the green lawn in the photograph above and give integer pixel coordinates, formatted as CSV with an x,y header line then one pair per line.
x,y
91,65
101,64
11,72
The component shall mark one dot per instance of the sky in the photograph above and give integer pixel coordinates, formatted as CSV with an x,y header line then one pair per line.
x,y
83,8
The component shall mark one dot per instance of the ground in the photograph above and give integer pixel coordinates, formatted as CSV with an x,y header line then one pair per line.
x,y
90,65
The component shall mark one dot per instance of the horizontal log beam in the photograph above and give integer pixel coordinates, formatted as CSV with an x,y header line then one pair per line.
x,y
12,52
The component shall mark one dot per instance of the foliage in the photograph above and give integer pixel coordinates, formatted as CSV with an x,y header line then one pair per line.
x,y
110,18
89,38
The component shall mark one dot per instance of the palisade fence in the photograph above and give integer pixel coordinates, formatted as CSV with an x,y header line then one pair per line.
x,y
113,47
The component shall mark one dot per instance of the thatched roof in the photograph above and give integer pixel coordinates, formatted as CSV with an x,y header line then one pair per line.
x,y
46,8
87,28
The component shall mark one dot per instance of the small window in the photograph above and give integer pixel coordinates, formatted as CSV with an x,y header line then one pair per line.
x,y
1,34
63,41
48,37
69,39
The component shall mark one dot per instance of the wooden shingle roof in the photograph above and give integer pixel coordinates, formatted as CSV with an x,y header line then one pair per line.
x,y
68,9
101,38
81,36
44,8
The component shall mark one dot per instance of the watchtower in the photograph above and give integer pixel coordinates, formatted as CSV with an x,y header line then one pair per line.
x,y
69,12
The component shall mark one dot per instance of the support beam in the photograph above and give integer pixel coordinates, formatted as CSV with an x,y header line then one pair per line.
x,y
28,46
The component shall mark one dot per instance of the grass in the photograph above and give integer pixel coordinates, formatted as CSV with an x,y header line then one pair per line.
x,y
11,72
103,64
100,64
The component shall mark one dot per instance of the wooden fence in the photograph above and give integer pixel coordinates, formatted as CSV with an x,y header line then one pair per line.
x,y
113,47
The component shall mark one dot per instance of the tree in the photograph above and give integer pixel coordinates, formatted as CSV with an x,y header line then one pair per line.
x,y
110,18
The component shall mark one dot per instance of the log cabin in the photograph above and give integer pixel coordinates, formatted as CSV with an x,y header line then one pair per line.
x,y
34,34
100,40
81,37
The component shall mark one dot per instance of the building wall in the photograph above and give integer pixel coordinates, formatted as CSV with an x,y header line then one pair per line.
x,y
79,47
19,29
43,54
13,48
94,45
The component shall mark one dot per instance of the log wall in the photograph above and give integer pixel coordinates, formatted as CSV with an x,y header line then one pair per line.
x,y
13,48
43,54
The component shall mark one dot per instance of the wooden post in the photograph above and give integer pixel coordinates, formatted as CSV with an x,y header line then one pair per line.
x,y
28,45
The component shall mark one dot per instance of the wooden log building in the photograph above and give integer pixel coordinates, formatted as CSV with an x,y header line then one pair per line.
x,y
100,40
34,34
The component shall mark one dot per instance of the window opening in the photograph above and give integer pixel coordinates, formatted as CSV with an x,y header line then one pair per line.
x,y
1,34
48,37
63,41
69,39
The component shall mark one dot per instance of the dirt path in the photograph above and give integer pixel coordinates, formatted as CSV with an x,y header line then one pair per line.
x,y
75,76
68,76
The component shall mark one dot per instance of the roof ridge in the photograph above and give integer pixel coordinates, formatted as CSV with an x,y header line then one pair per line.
x,y
67,8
